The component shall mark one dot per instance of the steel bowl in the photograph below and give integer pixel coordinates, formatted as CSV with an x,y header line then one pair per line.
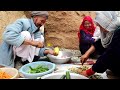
x,y
62,57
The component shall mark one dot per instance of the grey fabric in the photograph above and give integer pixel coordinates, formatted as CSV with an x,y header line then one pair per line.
x,y
109,21
40,13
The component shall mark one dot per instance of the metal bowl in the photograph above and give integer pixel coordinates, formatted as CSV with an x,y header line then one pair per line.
x,y
63,57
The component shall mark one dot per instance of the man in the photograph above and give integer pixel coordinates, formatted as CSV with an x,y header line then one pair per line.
x,y
23,39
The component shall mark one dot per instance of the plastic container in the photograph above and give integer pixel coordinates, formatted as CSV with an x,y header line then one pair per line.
x,y
11,71
24,69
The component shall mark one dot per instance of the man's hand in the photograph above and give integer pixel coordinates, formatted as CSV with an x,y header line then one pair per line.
x,y
50,51
37,44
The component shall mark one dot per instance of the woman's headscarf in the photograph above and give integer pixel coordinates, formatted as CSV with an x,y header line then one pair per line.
x,y
88,30
109,21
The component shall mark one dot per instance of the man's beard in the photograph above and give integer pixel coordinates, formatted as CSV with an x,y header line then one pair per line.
x,y
39,25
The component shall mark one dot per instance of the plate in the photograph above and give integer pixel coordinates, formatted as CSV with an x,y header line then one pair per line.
x,y
65,67
59,75
75,59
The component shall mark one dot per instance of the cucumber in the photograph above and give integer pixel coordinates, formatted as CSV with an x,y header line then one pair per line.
x,y
63,77
68,75
38,77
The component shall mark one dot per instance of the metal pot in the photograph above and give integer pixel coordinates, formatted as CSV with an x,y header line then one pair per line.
x,y
63,57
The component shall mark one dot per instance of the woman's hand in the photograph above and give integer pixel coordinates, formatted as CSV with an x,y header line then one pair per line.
x,y
84,58
83,73
87,73
86,55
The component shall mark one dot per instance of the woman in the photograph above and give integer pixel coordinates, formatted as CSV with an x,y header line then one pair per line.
x,y
87,34
110,44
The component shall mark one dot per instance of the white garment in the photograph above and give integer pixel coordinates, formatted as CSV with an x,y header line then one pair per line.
x,y
96,34
42,29
109,21
42,32
27,52
42,38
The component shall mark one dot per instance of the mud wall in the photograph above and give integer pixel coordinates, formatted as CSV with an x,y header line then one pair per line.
x,y
60,29
7,17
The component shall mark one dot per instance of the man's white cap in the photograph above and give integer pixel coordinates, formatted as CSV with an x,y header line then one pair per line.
x,y
39,13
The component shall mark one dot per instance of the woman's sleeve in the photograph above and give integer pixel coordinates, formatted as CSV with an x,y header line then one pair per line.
x,y
109,57
86,38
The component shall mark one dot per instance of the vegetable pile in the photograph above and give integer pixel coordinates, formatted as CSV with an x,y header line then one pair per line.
x,y
83,68
4,75
38,69
78,69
